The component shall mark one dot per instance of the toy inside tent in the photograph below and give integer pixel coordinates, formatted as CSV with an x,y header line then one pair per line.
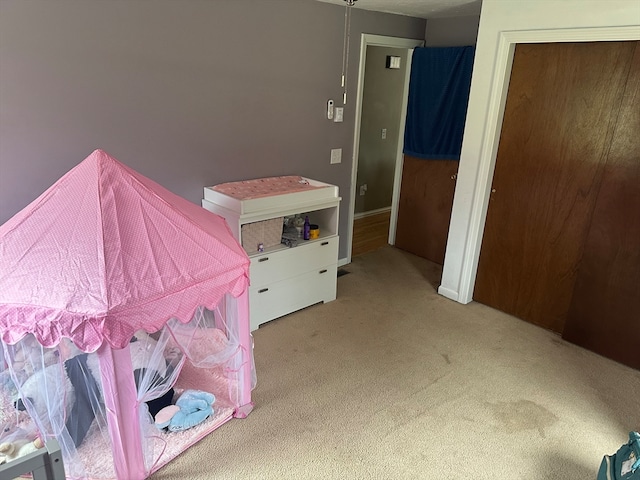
x,y
124,324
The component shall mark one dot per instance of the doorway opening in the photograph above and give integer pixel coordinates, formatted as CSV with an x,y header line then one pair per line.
x,y
381,106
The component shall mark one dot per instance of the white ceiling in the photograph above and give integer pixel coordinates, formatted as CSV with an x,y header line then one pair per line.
x,y
418,8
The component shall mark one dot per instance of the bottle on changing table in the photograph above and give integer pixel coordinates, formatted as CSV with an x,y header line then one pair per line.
x,y
306,228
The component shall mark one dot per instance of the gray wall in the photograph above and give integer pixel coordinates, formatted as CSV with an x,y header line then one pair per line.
x,y
452,32
381,108
188,93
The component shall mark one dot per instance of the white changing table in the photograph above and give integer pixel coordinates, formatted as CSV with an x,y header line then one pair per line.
x,y
284,279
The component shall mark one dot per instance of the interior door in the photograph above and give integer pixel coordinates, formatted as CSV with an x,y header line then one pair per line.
x,y
605,309
424,208
560,116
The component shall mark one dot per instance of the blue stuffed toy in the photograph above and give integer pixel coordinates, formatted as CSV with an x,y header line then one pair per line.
x,y
191,408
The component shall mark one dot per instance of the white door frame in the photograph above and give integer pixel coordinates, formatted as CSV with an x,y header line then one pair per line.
x,y
471,200
367,40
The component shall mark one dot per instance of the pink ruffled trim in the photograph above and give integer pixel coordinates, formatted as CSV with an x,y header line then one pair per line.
x,y
88,332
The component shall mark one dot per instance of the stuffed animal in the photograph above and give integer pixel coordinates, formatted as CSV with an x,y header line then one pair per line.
x,y
18,448
73,389
51,389
29,356
191,408
17,440
145,354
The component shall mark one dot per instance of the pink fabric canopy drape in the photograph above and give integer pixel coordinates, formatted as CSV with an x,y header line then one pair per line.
x,y
106,251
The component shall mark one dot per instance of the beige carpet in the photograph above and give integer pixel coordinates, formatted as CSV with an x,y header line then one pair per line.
x,y
392,381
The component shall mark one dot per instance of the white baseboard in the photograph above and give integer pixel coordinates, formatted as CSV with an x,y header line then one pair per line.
x,y
446,292
356,216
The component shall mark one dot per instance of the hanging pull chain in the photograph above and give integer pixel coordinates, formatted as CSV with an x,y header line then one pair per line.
x,y
345,46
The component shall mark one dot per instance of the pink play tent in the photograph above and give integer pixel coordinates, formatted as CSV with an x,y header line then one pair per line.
x,y
123,323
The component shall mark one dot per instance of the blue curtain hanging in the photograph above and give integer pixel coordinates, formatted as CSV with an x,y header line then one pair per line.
x,y
438,96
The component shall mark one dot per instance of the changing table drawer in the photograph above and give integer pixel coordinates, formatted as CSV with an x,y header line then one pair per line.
x,y
291,294
274,267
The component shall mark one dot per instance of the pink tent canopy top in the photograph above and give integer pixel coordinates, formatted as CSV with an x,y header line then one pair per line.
x,y
106,251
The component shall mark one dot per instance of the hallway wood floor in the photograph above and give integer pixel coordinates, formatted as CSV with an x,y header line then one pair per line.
x,y
370,233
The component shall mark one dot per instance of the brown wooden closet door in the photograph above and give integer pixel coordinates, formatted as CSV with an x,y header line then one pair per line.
x,y
605,309
560,114
424,207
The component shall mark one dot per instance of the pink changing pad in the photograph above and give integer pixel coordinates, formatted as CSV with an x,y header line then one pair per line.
x,y
264,187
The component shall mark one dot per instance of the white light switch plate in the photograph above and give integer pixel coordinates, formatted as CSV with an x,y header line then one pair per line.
x,y
336,155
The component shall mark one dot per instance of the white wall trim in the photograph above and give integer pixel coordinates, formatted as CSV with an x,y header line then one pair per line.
x,y
596,34
481,173
397,174
395,42
366,40
369,213
451,294
493,127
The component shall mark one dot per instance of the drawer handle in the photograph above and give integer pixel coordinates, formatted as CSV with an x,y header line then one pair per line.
x,y
324,243
323,271
263,259
262,290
